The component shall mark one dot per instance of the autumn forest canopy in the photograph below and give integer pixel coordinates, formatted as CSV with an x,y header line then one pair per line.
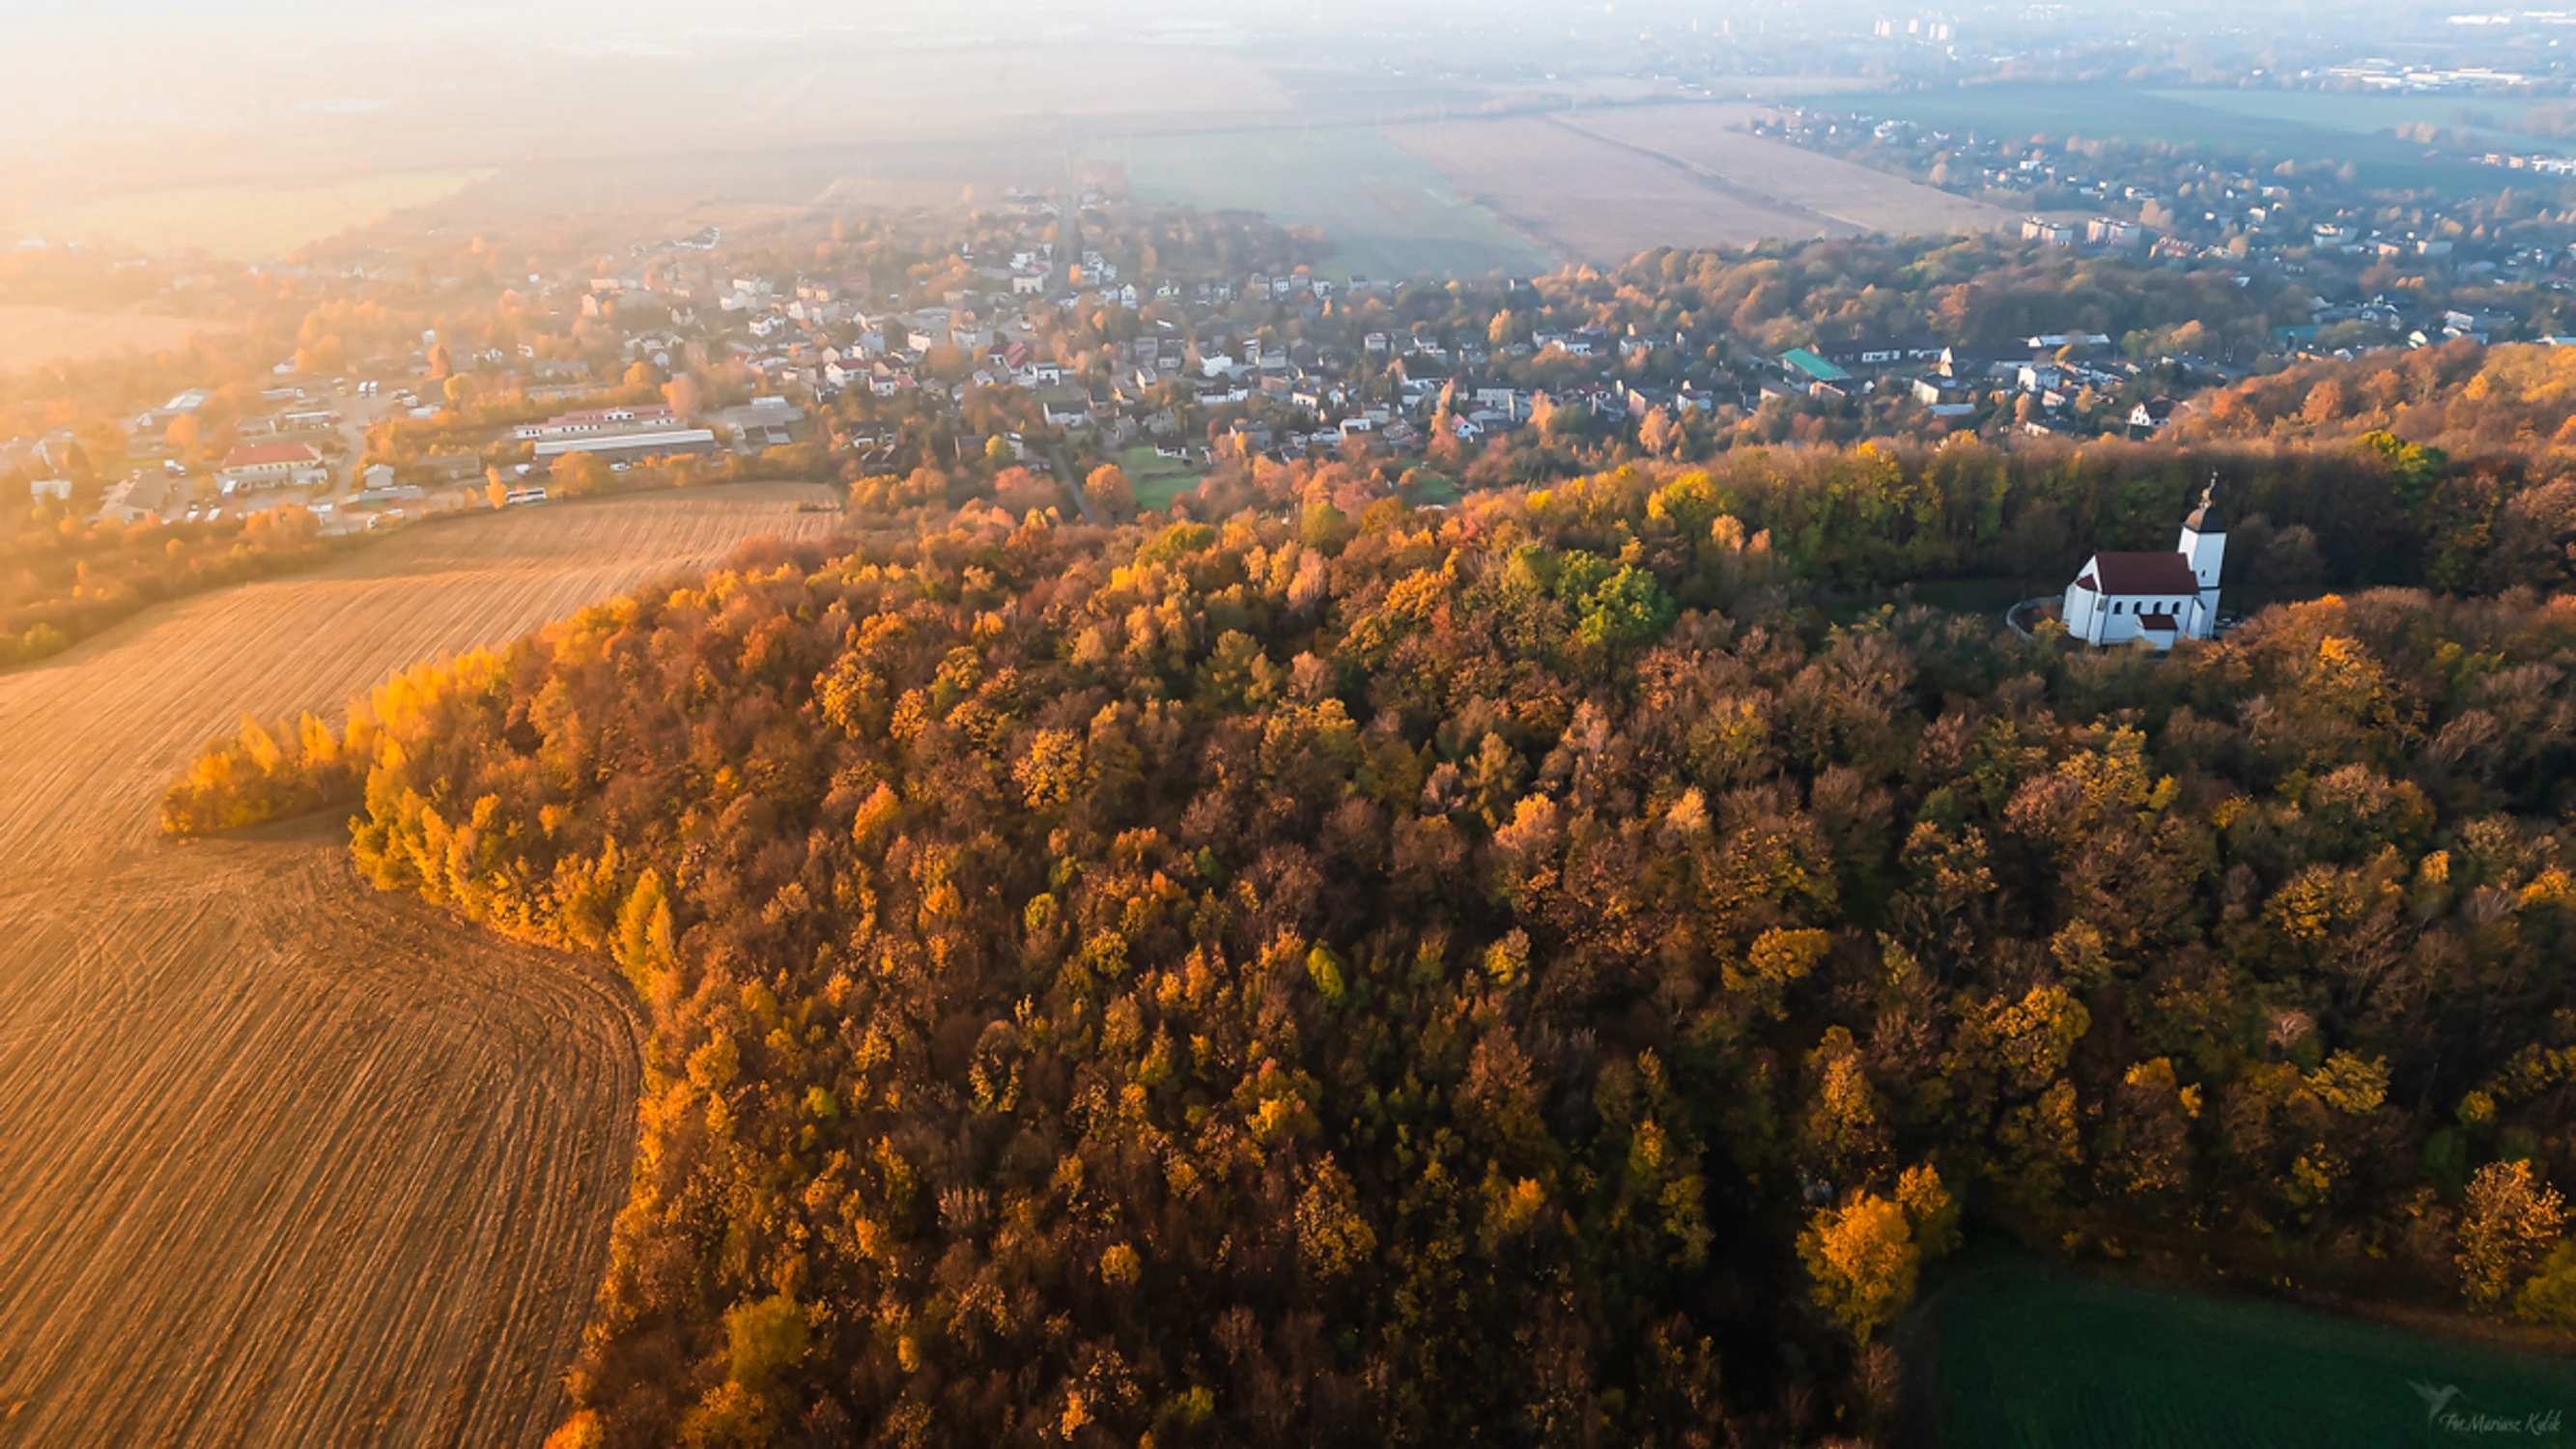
x,y
1560,969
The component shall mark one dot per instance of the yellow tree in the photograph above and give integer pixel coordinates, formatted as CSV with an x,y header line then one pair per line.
x,y
1866,1255
684,395
1864,1260
1109,491
2509,1222
1657,433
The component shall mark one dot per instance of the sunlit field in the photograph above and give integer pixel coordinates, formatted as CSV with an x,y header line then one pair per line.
x,y
1389,213
248,223
35,336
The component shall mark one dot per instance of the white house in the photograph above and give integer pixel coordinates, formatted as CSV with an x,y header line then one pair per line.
x,y
2158,597
599,420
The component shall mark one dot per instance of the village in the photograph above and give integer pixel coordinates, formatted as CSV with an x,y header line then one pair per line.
x,y
1028,343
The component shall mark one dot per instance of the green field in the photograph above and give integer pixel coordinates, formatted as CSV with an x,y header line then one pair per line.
x,y
2275,125
1388,212
2366,114
1157,481
2022,1356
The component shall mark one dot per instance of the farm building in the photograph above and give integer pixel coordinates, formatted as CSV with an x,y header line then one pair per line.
x,y
631,447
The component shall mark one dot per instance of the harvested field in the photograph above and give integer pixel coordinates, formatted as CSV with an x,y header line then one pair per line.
x,y
247,223
1593,199
1388,214
289,1161
1710,142
35,336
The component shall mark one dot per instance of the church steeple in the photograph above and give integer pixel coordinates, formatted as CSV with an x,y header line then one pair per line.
x,y
2204,546
2204,519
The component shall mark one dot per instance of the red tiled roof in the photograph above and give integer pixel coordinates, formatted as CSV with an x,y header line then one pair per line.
x,y
2165,622
2144,573
270,455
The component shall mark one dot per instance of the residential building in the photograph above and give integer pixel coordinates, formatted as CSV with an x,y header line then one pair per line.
x,y
599,420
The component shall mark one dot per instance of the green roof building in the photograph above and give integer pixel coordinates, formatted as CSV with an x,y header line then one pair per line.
x,y
1799,359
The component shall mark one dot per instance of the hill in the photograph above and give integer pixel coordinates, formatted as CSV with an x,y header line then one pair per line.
x,y
1502,973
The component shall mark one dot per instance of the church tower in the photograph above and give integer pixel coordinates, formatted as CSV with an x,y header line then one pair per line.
x,y
2204,547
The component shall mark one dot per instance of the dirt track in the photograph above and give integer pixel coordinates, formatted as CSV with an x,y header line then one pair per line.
x,y
287,1161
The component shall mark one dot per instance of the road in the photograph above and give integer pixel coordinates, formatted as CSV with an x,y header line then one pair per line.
x,y
1064,471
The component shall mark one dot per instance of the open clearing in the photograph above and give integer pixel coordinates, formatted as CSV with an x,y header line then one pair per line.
x,y
290,1161
1157,479
36,336
1388,213
1598,200
1710,142
2022,1356
246,223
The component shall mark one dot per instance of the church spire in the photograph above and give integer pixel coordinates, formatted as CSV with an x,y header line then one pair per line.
x,y
2205,519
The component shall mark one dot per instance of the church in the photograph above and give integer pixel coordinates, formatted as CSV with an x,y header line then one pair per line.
x,y
2158,597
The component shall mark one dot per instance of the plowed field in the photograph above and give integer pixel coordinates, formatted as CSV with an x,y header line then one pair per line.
x,y
286,1161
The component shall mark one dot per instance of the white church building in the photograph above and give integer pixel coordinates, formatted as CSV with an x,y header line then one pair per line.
x,y
2158,597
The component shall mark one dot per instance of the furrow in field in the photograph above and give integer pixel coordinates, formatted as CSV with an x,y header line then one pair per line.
x,y
289,1161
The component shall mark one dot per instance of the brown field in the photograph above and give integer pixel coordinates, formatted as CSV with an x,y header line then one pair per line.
x,y
1708,141
290,1162
35,336
1590,199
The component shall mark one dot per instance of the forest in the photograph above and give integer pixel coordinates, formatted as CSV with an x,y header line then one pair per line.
x,y
1514,973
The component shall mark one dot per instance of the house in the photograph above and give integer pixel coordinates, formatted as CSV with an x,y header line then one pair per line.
x,y
267,465
1065,408
2152,414
178,407
2158,597
598,420
763,422
58,489
1806,365
143,498
1879,351
450,467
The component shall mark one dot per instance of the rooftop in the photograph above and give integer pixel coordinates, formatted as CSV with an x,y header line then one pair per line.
x,y
2127,574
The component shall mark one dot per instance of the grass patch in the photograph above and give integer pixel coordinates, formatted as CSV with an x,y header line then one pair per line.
x,y
1432,490
1388,212
1156,479
2020,1355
